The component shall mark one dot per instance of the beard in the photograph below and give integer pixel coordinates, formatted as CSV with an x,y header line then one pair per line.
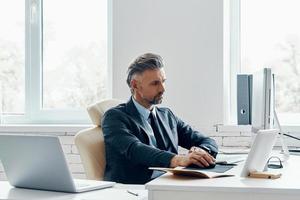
x,y
156,99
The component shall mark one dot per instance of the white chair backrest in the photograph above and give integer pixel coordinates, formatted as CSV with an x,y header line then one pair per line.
x,y
97,110
90,142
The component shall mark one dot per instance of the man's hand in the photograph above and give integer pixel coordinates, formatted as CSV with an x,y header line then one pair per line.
x,y
195,156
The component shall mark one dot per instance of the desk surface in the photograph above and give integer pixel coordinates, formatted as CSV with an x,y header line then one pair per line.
x,y
234,187
118,192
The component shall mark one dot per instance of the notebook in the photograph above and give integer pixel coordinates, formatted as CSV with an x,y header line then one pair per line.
x,y
182,171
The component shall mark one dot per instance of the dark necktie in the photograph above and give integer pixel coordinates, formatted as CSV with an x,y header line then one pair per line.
x,y
157,131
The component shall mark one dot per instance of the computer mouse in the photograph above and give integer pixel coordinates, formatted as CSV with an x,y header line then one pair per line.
x,y
211,166
198,167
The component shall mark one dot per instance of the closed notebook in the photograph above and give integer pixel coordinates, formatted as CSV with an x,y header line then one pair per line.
x,y
191,172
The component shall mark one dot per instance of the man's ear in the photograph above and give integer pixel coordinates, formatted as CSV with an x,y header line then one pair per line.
x,y
134,84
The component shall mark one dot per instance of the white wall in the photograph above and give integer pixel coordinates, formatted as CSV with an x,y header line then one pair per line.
x,y
188,34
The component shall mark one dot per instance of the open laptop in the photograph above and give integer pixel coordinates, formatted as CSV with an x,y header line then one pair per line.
x,y
260,151
38,162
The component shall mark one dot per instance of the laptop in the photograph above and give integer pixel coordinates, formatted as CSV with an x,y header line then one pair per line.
x,y
260,151
38,162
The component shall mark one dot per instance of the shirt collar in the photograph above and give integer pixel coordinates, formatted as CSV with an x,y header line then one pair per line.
x,y
142,110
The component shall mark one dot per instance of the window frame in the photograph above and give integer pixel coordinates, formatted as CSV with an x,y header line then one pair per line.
x,y
34,113
231,37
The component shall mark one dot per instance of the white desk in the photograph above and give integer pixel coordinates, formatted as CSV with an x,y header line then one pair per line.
x,y
118,192
178,188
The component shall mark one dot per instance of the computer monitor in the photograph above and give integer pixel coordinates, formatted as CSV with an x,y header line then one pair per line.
x,y
262,114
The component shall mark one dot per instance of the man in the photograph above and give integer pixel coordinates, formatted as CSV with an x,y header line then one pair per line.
x,y
139,135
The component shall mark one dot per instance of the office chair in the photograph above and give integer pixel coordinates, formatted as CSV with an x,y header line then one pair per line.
x,y
90,141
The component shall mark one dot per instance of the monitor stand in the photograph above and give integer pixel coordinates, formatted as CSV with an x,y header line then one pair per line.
x,y
285,150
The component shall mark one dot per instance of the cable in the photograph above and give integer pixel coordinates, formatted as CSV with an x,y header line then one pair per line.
x,y
296,138
288,135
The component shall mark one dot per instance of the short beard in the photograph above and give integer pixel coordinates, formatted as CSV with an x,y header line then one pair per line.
x,y
156,100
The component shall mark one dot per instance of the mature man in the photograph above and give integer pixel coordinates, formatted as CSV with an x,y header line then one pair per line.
x,y
139,135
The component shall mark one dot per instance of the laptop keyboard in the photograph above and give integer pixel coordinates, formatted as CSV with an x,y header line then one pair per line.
x,y
229,159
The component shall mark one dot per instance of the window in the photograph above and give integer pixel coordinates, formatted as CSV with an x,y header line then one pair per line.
x,y
270,37
12,56
60,62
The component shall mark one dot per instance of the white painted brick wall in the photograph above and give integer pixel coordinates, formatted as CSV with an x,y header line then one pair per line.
x,y
66,140
73,158
219,140
67,149
225,137
74,149
2,176
239,141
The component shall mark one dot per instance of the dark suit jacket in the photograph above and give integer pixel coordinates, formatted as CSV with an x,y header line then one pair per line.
x,y
127,143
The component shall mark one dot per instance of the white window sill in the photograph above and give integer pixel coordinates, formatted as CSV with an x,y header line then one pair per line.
x,y
233,128
42,128
247,128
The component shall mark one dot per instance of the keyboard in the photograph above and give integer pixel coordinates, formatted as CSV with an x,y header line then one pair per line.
x,y
230,159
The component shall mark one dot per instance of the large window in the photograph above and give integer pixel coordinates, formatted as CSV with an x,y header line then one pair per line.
x,y
12,56
53,59
269,36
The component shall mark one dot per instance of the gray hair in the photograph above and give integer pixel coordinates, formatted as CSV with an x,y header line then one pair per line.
x,y
142,63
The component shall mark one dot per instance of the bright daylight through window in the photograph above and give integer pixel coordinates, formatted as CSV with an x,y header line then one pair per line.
x,y
12,56
64,68
74,53
270,37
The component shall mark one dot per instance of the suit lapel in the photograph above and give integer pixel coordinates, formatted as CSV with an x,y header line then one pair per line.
x,y
134,113
167,129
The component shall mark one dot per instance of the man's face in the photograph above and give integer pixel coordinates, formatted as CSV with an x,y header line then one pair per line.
x,y
149,87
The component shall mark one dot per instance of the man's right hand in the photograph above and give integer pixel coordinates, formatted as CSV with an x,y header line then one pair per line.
x,y
199,157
